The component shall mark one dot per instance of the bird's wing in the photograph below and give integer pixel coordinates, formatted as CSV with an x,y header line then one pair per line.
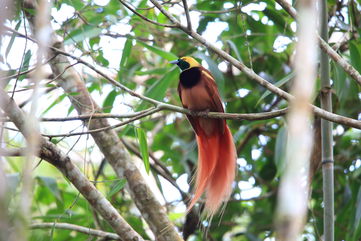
x,y
191,119
215,104
212,89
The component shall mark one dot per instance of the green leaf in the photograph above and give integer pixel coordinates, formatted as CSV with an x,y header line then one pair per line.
x,y
280,150
77,4
80,34
26,62
116,187
281,82
345,87
93,41
100,58
109,100
51,184
356,224
160,52
355,55
55,102
158,71
175,216
12,39
126,53
278,19
143,146
235,50
159,88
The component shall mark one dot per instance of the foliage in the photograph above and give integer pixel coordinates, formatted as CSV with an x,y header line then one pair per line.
x,y
137,53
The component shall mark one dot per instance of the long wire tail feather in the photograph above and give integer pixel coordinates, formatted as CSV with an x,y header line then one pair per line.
x,y
208,148
219,187
216,170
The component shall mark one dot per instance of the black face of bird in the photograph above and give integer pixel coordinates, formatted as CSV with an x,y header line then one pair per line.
x,y
182,64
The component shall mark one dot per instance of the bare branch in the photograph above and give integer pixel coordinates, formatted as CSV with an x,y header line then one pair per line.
x,y
215,115
186,10
17,75
145,18
77,228
154,110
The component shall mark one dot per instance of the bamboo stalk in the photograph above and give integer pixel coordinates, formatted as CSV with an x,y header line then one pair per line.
x,y
326,133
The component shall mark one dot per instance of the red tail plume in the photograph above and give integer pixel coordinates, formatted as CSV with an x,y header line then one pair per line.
x,y
216,169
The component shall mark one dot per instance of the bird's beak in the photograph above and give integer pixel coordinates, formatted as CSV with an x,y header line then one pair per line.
x,y
174,61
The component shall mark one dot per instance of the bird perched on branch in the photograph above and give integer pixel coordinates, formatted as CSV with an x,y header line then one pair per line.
x,y
216,151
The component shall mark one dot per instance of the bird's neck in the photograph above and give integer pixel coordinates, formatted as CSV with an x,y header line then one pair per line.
x,y
190,77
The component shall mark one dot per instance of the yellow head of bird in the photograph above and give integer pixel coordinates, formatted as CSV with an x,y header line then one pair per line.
x,y
186,62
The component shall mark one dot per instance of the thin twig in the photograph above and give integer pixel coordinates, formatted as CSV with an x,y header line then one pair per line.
x,y
186,10
24,72
154,110
77,228
145,18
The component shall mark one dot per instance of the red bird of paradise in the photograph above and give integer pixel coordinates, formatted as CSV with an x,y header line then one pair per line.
x,y
216,151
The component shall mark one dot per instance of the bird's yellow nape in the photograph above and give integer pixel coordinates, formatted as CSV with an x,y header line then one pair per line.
x,y
192,62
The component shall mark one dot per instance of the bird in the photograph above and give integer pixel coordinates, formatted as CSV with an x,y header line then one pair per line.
x,y
216,167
